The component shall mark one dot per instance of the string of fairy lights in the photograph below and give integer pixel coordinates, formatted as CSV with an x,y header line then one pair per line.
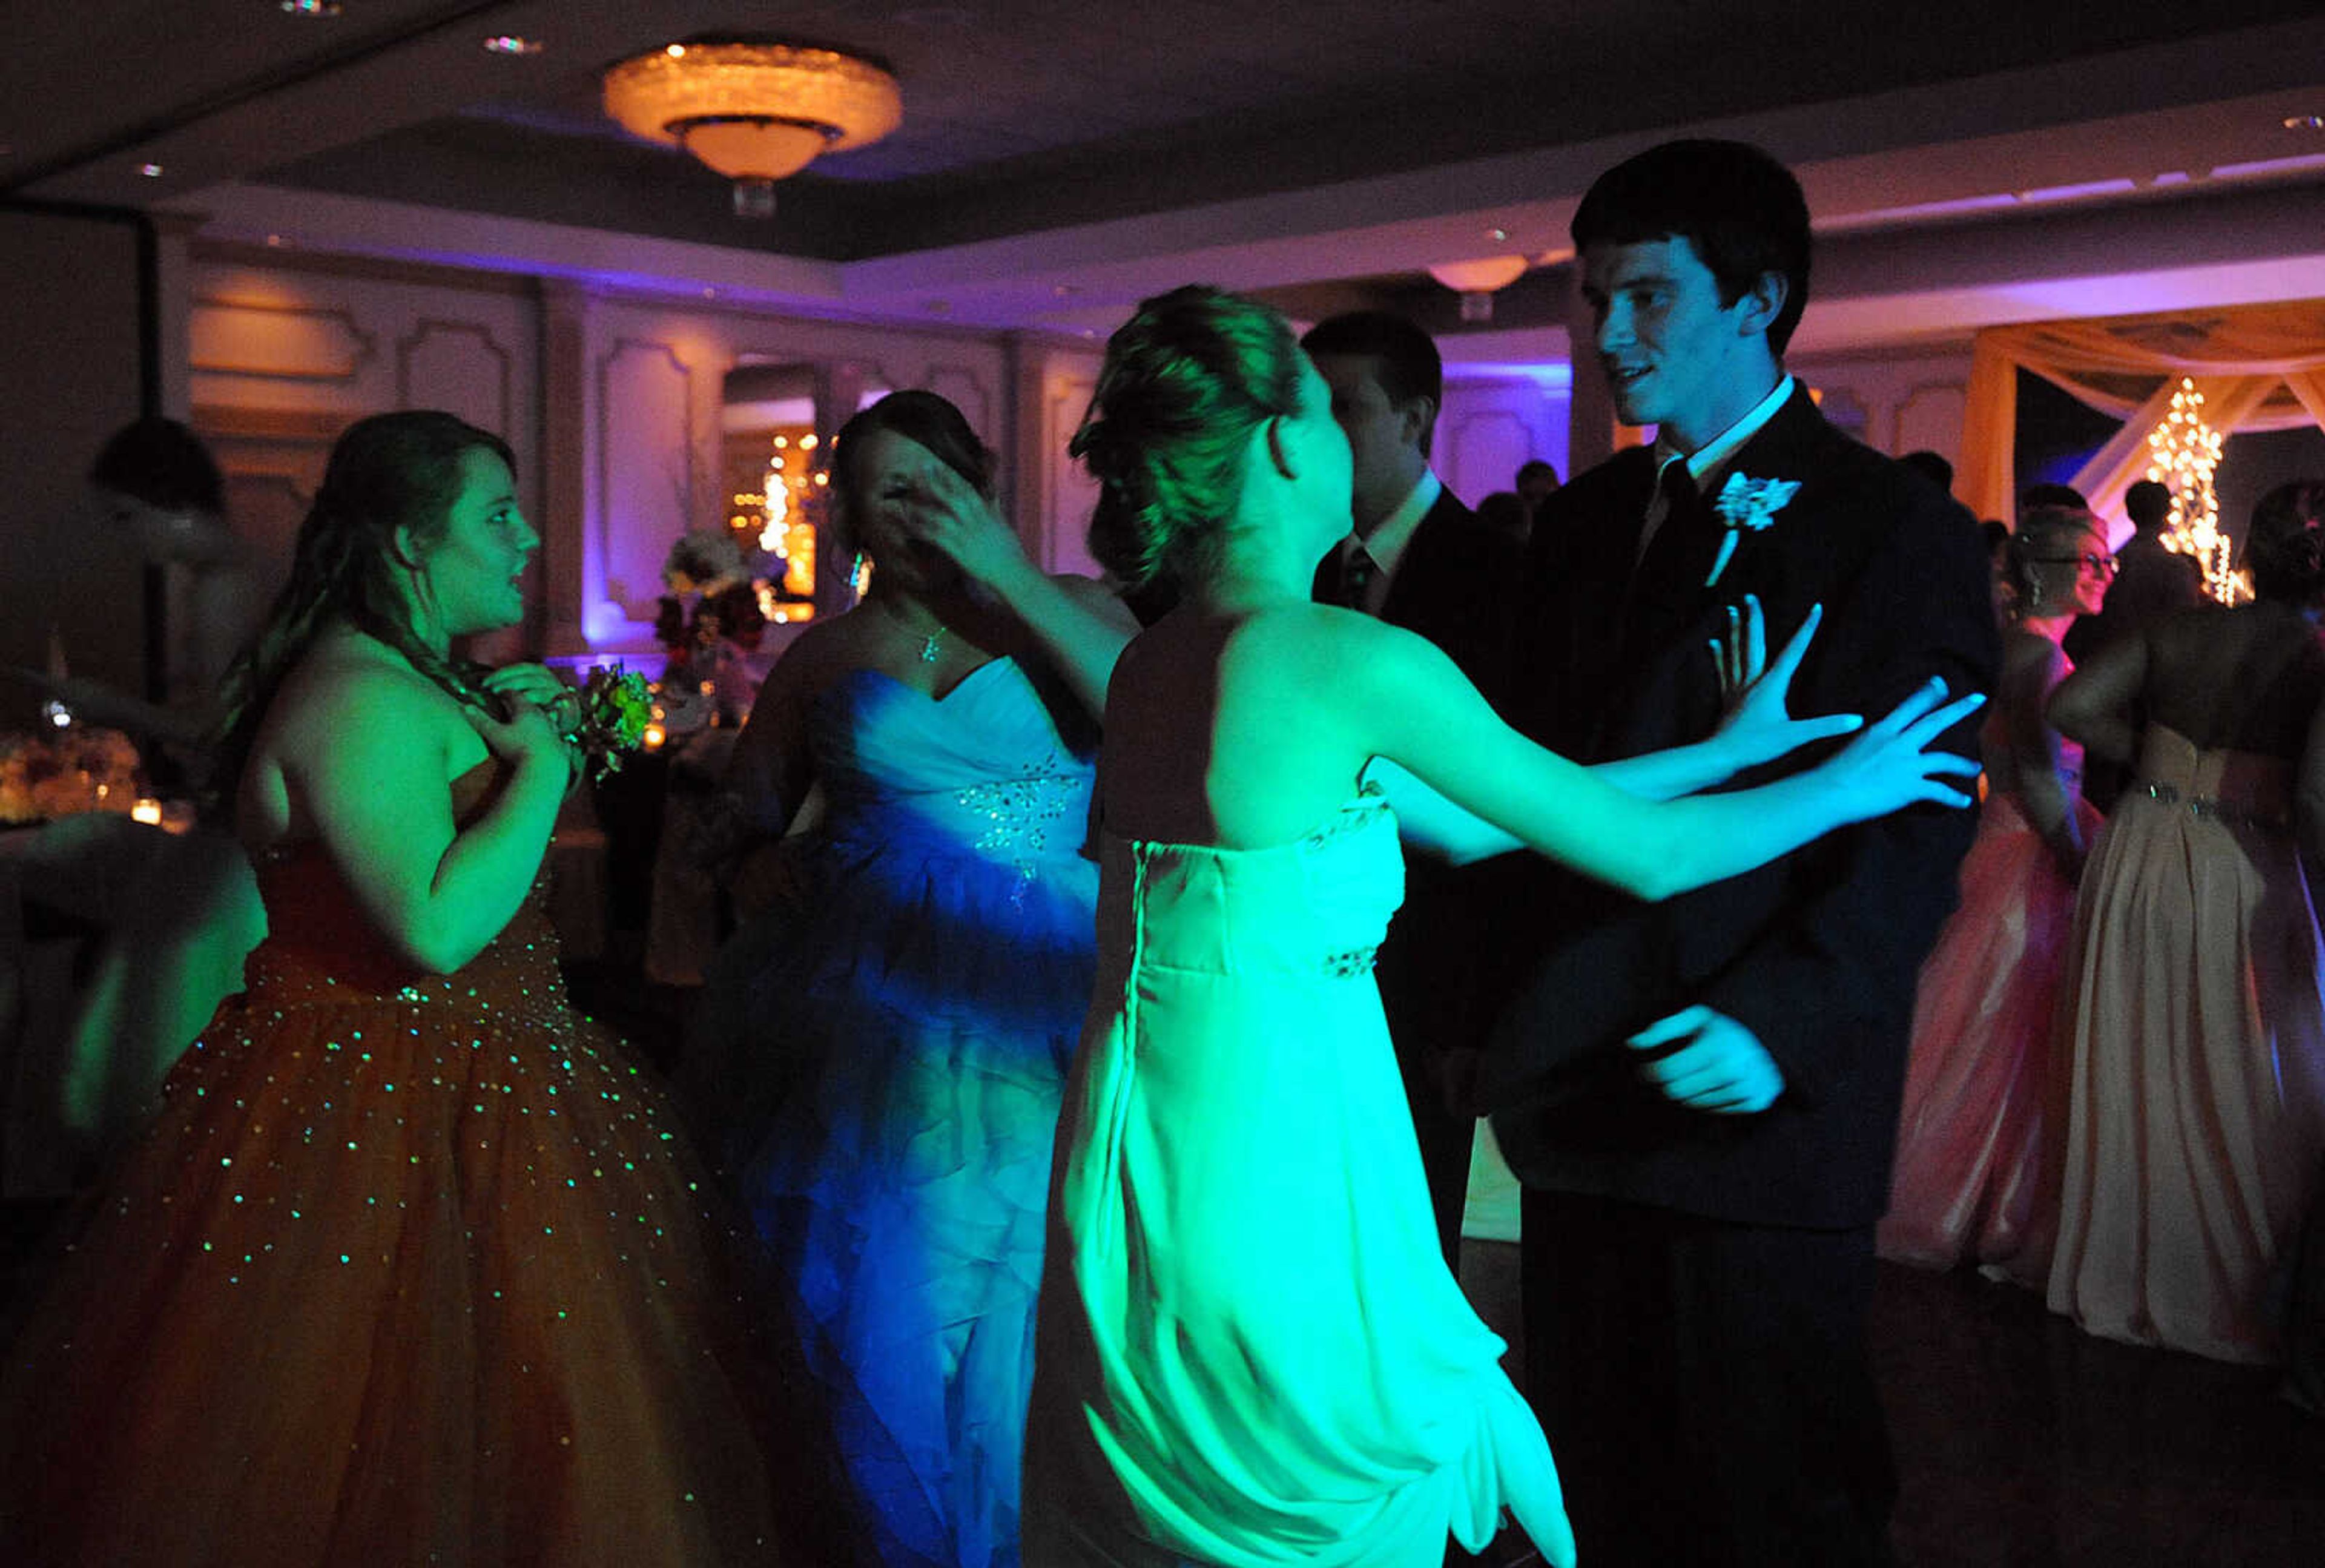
x,y
2184,453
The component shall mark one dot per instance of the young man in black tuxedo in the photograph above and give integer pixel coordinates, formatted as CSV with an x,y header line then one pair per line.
x,y
1701,1097
1419,559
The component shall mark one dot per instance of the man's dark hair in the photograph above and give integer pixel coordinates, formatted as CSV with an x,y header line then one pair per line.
x,y
1409,364
2148,505
2035,497
162,463
1534,466
1933,465
1741,211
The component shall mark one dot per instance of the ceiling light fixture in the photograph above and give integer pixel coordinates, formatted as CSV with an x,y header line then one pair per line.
x,y
756,112
312,7
1476,281
513,44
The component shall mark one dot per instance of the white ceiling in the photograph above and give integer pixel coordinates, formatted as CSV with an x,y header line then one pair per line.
x,y
1967,162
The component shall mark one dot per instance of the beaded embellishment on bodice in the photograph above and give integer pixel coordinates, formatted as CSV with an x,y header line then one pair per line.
x,y
981,769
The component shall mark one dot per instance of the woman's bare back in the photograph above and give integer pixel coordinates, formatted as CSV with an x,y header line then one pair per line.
x,y
1221,729
2247,679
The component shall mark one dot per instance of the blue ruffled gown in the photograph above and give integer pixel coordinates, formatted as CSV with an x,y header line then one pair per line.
x,y
920,1010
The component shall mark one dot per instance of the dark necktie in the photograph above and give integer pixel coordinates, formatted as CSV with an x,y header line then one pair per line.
x,y
1678,537
1357,569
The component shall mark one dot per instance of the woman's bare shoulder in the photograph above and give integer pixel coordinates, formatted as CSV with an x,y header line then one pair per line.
x,y
347,688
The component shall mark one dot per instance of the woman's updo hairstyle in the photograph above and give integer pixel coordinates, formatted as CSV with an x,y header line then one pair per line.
x,y
1186,381
389,472
917,416
2285,546
2045,535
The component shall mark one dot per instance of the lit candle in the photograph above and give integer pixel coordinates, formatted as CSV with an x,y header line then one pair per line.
x,y
147,811
654,737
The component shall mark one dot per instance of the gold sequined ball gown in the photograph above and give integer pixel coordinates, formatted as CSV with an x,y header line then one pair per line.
x,y
408,1269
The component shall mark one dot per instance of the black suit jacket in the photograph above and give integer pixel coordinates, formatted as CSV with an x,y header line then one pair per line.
x,y
1452,587
1817,952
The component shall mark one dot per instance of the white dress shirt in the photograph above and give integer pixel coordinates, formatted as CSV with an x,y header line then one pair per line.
x,y
1708,464
1390,537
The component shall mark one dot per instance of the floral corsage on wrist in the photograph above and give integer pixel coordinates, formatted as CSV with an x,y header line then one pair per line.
x,y
1746,502
608,716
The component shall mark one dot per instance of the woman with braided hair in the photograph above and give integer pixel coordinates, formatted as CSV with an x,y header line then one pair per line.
x,y
2193,1027
411,1266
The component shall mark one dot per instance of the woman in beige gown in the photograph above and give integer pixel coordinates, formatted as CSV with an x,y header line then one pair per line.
x,y
2192,1025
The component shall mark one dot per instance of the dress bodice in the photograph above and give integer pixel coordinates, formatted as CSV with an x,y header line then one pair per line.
x,y
2237,787
982,767
1318,904
320,944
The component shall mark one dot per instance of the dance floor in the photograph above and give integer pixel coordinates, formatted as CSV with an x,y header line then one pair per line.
x,y
2022,1443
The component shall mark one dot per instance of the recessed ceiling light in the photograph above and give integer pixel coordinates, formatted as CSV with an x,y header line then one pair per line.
x,y
312,7
275,241
151,171
511,44
1497,234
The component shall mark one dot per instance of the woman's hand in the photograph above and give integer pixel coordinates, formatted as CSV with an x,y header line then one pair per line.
x,y
1889,764
1756,727
536,683
961,526
528,734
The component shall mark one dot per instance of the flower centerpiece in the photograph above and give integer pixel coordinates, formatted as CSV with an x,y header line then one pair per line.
x,y
710,615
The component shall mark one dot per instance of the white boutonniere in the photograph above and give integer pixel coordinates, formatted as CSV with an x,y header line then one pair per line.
x,y
1746,502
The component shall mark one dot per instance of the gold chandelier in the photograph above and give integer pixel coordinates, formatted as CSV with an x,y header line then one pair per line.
x,y
756,111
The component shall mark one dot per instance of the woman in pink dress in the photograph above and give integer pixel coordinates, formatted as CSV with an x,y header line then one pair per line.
x,y
1969,1185
2193,1025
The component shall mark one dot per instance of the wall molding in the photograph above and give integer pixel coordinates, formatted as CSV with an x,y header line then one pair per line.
x,y
209,355
427,327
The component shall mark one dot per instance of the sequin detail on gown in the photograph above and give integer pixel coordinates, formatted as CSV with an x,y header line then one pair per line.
x,y
1252,1352
408,1269
919,1011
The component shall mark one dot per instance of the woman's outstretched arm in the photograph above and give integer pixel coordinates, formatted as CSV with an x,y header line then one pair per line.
x,y
1758,729
1405,701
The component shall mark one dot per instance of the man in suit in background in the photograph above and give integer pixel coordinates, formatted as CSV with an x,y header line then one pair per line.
x,y
1701,1097
1419,559
2150,581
